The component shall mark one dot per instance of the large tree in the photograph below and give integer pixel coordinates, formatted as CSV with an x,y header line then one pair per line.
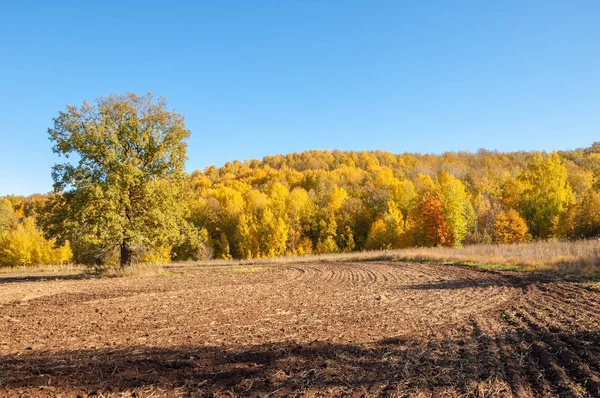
x,y
122,192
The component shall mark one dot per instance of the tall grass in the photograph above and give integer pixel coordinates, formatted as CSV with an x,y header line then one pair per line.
x,y
566,257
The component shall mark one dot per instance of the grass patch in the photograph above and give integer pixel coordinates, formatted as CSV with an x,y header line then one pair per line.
x,y
494,267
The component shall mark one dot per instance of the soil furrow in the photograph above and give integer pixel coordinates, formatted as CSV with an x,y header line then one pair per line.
x,y
574,365
543,372
316,329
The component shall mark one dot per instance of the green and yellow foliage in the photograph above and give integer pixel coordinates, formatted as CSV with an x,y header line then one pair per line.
x,y
124,191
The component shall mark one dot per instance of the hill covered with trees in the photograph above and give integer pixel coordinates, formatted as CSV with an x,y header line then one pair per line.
x,y
342,201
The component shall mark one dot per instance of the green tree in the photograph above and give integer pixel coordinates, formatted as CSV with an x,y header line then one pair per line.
x,y
122,192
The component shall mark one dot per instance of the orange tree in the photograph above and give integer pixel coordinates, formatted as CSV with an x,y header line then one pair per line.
x,y
432,225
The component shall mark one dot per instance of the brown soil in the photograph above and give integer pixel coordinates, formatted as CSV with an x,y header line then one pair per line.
x,y
331,329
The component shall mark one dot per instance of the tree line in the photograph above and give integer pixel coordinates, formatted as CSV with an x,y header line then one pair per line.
x,y
334,201
126,197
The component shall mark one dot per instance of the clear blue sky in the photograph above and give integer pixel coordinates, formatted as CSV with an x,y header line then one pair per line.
x,y
258,77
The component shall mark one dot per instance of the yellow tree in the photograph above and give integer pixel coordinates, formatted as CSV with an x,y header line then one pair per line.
x,y
355,219
509,227
299,211
20,212
378,236
587,216
249,225
337,199
453,196
404,195
219,210
328,233
248,242
261,233
7,215
275,223
394,223
328,225
547,195
347,238
25,245
424,187
224,246
278,198
386,232
273,234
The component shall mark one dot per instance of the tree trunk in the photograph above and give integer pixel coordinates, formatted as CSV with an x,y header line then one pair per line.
x,y
126,254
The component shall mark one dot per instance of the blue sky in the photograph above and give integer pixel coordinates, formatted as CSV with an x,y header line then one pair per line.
x,y
258,77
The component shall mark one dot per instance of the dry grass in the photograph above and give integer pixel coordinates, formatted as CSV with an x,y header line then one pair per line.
x,y
133,270
73,270
565,257
578,257
62,268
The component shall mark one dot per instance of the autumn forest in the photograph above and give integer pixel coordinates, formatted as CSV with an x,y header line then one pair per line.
x,y
341,201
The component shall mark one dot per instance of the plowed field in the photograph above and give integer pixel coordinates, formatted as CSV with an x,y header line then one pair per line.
x,y
319,329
